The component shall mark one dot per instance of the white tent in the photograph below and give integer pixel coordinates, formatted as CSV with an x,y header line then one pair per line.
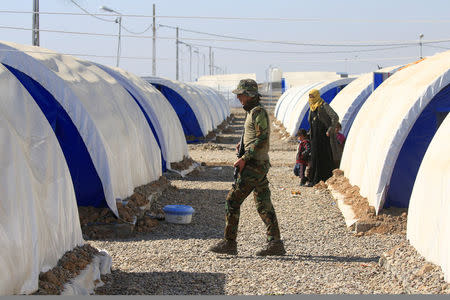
x,y
161,115
350,100
39,219
219,101
293,108
121,148
288,99
225,84
429,208
210,103
391,132
193,111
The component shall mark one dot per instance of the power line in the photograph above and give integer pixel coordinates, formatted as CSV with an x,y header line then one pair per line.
x,y
83,54
356,44
303,52
216,40
107,20
88,13
342,20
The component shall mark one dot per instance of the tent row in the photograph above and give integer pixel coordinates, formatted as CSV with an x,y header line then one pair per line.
x,y
200,108
397,149
76,133
397,127
292,107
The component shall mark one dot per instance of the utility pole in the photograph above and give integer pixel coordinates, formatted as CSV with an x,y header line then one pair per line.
x,y
35,32
154,42
190,62
204,64
177,69
119,20
420,44
198,63
210,61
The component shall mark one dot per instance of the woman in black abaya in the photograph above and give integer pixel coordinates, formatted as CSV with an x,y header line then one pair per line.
x,y
322,120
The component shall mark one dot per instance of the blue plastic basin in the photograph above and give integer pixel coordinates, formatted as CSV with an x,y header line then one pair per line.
x,y
180,210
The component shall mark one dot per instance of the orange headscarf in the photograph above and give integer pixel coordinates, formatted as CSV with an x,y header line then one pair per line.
x,y
315,100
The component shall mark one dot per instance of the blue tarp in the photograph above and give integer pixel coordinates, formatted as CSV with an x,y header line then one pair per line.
x,y
86,182
138,98
187,117
414,148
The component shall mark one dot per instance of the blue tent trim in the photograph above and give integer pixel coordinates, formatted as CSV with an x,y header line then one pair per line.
x,y
163,161
86,182
328,96
414,148
135,95
187,117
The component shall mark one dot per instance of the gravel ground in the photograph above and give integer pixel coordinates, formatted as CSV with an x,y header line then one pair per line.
x,y
323,256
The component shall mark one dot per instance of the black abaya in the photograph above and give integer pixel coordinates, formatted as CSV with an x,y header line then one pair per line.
x,y
322,163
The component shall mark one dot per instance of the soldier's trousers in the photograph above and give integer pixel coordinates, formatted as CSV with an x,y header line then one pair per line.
x,y
252,178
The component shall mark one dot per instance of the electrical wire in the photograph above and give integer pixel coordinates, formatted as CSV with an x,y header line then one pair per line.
x,y
85,54
87,12
404,44
342,20
300,52
107,20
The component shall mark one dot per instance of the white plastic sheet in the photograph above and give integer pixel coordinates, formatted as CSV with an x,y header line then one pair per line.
x,y
193,98
428,227
294,106
384,121
162,115
350,99
124,152
39,219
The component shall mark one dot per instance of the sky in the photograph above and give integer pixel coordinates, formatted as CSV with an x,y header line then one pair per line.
x,y
246,36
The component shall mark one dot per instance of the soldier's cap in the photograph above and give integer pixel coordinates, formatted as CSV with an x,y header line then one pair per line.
x,y
247,87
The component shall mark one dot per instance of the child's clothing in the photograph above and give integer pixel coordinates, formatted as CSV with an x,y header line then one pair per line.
x,y
340,138
302,159
337,146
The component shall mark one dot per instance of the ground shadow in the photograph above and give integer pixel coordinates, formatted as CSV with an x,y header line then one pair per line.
x,y
162,283
313,258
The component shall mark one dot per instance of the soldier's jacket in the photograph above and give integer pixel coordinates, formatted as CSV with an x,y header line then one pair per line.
x,y
256,135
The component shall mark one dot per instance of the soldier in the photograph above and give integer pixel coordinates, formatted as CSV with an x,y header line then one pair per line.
x,y
253,167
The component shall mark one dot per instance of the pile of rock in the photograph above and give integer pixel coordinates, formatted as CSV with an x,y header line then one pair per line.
x,y
138,213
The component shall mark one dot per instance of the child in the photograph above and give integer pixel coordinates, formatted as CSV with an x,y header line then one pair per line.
x,y
303,155
339,143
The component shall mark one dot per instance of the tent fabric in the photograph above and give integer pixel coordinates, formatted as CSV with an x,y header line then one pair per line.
x,y
350,100
428,227
287,100
384,123
218,100
186,115
224,84
413,150
160,113
88,187
122,148
294,110
201,110
39,219
209,104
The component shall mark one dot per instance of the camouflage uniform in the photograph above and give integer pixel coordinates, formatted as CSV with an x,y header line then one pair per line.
x,y
254,175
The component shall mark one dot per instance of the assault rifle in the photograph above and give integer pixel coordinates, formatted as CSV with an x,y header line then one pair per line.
x,y
239,154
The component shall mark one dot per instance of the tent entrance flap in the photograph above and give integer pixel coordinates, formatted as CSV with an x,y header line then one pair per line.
x,y
86,182
414,148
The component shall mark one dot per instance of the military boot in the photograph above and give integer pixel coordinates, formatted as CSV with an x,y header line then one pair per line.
x,y
225,247
272,248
